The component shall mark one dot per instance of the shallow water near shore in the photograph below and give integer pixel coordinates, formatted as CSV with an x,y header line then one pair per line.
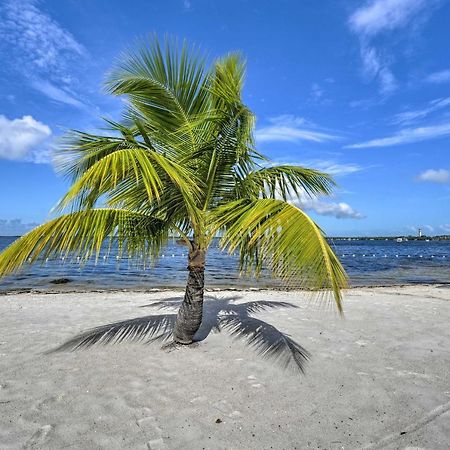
x,y
368,263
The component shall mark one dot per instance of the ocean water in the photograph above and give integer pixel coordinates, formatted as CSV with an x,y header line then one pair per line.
x,y
368,263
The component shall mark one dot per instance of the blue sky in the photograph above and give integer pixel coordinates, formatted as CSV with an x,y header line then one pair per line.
x,y
360,89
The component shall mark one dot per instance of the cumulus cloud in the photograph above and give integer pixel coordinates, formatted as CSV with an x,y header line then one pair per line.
x,y
40,48
435,176
288,128
20,138
407,136
339,210
15,227
377,17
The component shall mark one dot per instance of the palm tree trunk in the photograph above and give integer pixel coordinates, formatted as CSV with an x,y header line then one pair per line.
x,y
190,314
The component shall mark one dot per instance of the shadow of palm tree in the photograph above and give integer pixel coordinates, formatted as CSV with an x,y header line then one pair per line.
x,y
219,314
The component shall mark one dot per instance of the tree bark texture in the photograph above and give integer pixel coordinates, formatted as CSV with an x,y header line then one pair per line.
x,y
190,314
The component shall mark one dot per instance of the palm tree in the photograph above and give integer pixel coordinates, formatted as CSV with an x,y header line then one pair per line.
x,y
183,162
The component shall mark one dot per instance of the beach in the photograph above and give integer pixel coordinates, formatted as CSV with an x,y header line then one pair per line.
x,y
377,378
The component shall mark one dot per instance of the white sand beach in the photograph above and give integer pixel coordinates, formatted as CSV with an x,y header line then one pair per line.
x,y
379,378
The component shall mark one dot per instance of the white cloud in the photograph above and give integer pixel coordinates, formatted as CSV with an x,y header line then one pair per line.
x,y
316,92
56,93
388,82
445,227
318,95
384,15
329,166
435,176
44,41
290,134
334,168
15,227
375,68
407,136
439,77
288,128
20,138
381,16
412,115
40,49
339,210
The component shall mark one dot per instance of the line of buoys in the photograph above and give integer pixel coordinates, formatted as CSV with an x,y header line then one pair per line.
x,y
343,255
388,256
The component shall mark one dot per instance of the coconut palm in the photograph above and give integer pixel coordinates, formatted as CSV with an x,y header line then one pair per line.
x,y
183,163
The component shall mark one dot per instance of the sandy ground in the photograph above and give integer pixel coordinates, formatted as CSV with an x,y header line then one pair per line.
x,y
380,378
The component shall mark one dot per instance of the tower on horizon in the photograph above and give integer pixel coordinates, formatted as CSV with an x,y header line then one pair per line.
x,y
420,232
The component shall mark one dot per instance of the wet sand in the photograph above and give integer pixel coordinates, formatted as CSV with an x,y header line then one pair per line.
x,y
380,378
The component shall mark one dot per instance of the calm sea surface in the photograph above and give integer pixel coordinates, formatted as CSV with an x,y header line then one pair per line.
x,y
367,263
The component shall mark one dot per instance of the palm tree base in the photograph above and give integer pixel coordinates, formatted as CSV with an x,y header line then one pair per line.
x,y
190,314
181,342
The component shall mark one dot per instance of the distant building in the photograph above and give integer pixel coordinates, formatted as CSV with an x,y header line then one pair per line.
x,y
420,232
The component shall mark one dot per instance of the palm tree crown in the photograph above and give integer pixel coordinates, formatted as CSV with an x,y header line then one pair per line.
x,y
183,162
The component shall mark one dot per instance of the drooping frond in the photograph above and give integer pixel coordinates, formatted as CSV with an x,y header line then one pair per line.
x,y
80,151
116,167
283,237
284,182
141,329
82,234
266,340
133,167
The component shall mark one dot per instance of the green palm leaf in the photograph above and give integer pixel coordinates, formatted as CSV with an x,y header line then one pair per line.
x,y
285,181
277,233
81,234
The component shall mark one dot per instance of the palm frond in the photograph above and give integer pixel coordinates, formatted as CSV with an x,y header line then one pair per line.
x,y
79,151
141,329
82,234
227,80
280,235
145,169
165,85
284,181
266,340
126,164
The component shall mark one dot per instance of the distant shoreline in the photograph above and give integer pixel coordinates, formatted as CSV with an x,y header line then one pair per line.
x,y
441,237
